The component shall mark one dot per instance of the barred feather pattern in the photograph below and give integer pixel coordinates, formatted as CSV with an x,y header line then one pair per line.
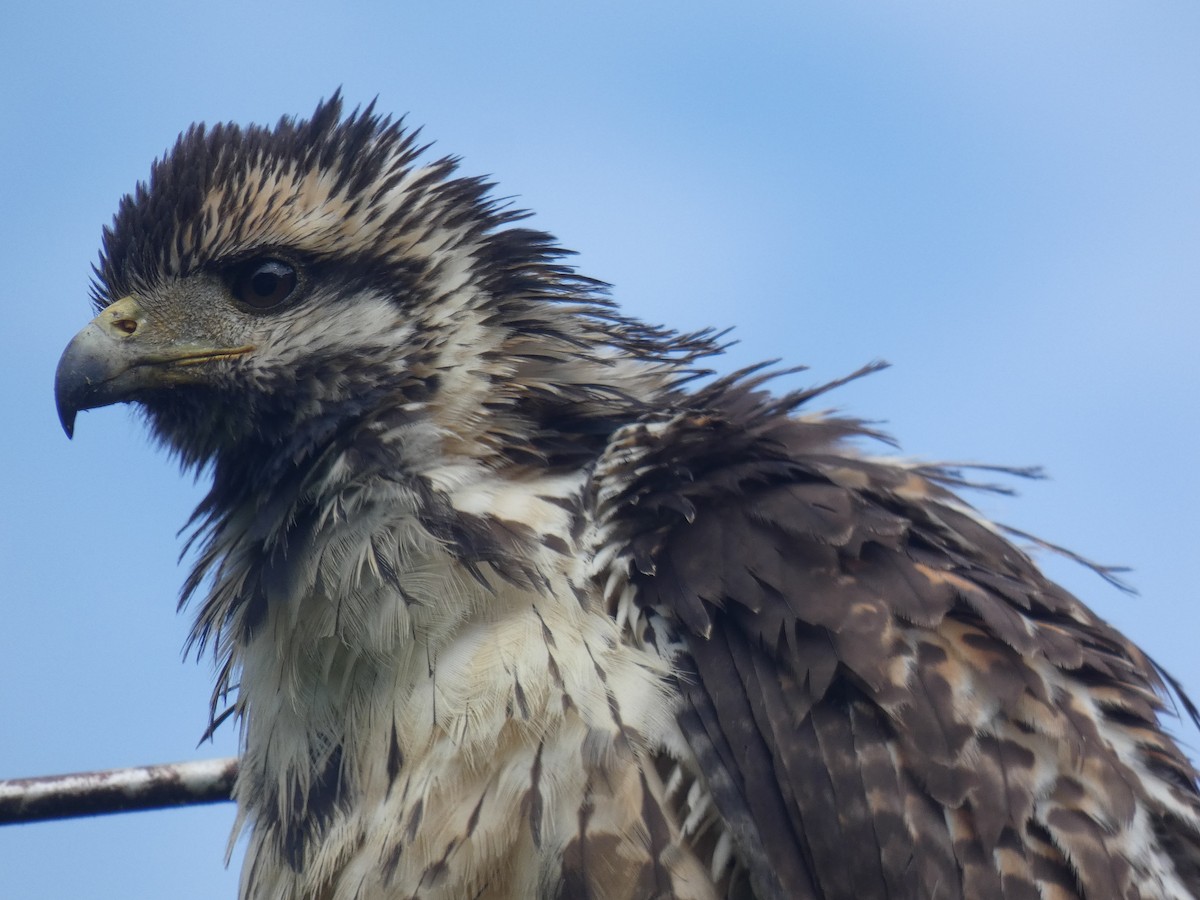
x,y
884,696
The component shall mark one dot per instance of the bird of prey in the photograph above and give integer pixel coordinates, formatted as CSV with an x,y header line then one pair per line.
x,y
511,602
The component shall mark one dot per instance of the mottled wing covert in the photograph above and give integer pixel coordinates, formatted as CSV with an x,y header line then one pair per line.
x,y
885,697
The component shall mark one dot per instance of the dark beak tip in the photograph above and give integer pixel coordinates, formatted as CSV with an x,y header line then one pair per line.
x,y
64,399
66,418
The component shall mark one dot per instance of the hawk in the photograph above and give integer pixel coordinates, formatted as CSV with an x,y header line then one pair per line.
x,y
510,602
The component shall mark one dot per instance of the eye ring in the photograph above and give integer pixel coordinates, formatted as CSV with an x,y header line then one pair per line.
x,y
263,283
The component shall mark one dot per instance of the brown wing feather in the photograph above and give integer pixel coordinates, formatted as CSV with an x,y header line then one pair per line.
x,y
885,696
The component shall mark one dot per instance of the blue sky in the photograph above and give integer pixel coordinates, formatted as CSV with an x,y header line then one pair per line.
x,y
1002,199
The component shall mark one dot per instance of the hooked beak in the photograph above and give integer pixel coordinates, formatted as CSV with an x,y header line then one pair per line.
x,y
122,354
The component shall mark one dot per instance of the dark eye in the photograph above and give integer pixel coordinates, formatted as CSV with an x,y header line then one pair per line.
x,y
263,283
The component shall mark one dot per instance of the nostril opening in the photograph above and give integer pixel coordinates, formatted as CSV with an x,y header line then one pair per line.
x,y
129,326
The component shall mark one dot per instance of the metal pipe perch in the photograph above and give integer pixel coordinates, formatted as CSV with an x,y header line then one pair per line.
x,y
116,790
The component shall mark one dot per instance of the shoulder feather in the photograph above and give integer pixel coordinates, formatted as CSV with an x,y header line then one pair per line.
x,y
885,695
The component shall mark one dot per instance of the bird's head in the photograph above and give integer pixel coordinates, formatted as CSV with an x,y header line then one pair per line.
x,y
277,287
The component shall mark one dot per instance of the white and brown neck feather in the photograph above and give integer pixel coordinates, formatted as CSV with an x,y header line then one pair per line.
x,y
411,629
